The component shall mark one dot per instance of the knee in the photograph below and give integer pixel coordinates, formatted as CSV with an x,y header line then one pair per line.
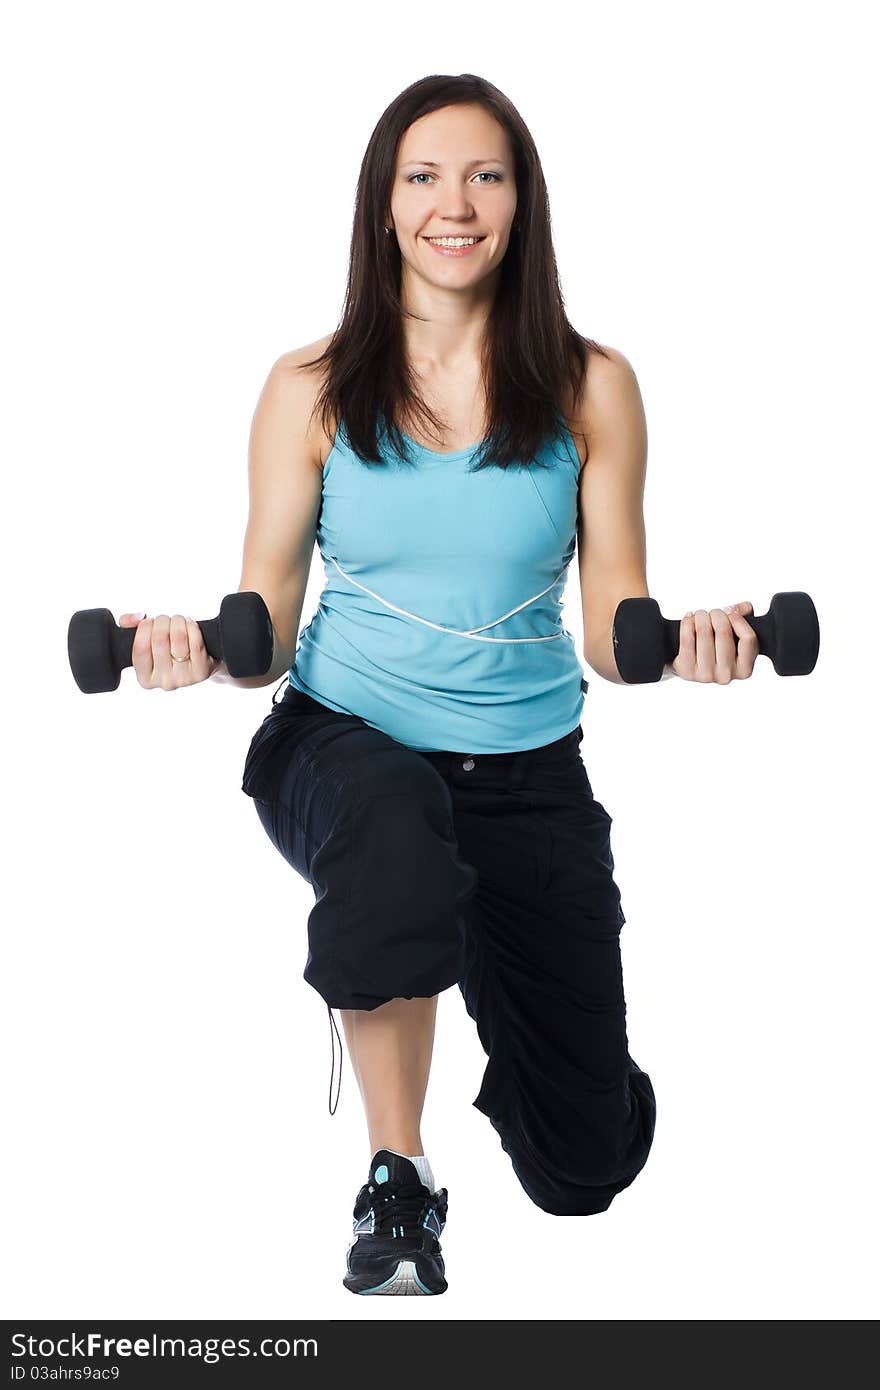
x,y
582,1192
575,1199
591,1206
578,1170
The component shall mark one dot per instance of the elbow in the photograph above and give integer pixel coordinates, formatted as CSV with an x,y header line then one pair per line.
x,y
599,655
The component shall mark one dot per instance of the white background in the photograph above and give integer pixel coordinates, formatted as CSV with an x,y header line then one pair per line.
x,y
180,182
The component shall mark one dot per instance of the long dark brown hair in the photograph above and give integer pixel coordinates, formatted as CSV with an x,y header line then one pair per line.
x,y
530,352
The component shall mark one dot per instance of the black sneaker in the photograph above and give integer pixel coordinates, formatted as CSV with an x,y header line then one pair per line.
x,y
397,1226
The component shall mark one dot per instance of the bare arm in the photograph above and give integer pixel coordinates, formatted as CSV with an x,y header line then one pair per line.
x,y
284,485
611,489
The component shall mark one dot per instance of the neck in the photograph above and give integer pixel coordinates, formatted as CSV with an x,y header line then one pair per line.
x,y
444,330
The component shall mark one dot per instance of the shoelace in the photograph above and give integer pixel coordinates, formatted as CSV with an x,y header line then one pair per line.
x,y
403,1207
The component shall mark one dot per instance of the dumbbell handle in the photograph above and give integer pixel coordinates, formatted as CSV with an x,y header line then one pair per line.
x,y
763,625
122,641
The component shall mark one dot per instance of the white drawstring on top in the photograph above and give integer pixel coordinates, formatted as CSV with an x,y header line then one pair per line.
x,y
474,632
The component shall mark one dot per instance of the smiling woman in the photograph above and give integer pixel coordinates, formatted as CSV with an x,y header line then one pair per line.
x,y
422,770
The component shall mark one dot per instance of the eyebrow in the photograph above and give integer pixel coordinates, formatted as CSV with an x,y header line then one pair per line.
x,y
491,159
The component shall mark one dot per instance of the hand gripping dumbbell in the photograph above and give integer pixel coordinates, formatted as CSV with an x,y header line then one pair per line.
x,y
645,641
99,649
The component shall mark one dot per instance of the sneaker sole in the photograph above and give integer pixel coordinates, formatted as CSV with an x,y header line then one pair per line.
x,y
404,1280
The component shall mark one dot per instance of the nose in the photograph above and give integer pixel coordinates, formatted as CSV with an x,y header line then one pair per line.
x,y
457,210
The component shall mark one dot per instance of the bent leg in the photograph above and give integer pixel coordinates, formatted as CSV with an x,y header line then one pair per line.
x,y
573,1111
369,824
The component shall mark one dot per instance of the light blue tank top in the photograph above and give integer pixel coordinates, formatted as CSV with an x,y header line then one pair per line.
x,y
440,620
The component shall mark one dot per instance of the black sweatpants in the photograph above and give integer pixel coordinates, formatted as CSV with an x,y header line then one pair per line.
x,y
492,872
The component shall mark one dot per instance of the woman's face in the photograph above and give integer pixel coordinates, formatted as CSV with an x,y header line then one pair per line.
x,y
454,177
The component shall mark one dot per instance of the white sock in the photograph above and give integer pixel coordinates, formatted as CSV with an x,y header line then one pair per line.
x,y
422,1167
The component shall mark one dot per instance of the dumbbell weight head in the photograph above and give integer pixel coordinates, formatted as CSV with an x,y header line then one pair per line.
x,y
640,640
792,633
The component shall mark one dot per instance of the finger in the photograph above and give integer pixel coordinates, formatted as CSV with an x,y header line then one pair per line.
x,y
725,646
201,661
142,652
161,644
705,644
746,643
179,646
686,660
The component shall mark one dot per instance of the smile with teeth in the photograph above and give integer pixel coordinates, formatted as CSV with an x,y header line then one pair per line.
x,y
453,240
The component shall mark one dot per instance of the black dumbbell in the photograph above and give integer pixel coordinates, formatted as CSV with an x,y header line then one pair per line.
x,y
99,649
645,641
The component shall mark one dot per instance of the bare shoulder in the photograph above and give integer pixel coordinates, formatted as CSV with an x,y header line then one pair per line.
x,y
306,377
613,364
297,358
610,393
598,384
